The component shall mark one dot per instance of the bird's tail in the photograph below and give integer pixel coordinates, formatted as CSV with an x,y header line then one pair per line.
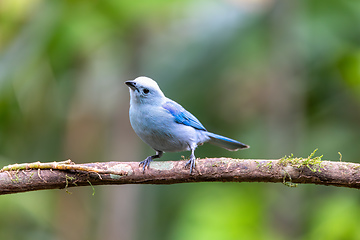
x,y
224,142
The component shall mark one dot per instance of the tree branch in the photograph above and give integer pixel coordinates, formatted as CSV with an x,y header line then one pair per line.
x,y
290,171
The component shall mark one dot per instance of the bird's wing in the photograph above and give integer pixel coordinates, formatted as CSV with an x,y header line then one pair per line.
x,y
182,116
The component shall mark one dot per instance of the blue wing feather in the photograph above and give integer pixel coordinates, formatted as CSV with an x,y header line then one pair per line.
x,y
182,116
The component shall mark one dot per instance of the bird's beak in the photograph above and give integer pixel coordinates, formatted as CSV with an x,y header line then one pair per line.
x,y
132,85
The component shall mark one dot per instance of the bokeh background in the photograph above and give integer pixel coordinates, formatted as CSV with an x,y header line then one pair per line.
x,y
281,76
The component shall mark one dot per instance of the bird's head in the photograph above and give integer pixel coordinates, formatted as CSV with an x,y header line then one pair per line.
x,y
144,90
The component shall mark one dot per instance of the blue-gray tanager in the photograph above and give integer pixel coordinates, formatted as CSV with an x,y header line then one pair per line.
x,y
166,126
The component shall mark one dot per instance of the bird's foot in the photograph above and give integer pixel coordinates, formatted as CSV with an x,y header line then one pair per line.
x,y
146,162
191,162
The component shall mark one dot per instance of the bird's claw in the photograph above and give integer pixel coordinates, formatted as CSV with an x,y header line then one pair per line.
x,y
191,162
145,163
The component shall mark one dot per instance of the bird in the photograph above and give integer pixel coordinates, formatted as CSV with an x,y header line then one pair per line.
x,y
166,126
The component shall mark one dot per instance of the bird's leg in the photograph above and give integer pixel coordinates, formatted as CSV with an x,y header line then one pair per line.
x,y
191,162
148,160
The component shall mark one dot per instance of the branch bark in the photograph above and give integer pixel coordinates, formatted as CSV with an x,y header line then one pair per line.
x,y
39,176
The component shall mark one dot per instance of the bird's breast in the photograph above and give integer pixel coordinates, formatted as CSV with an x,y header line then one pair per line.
x,y
157,128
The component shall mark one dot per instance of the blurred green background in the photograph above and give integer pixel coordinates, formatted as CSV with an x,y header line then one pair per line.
x,y
281,76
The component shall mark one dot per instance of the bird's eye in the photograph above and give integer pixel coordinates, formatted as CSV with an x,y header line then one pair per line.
x,y
146,91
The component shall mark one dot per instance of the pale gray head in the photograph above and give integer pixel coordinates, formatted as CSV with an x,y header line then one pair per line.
x,y
144,90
